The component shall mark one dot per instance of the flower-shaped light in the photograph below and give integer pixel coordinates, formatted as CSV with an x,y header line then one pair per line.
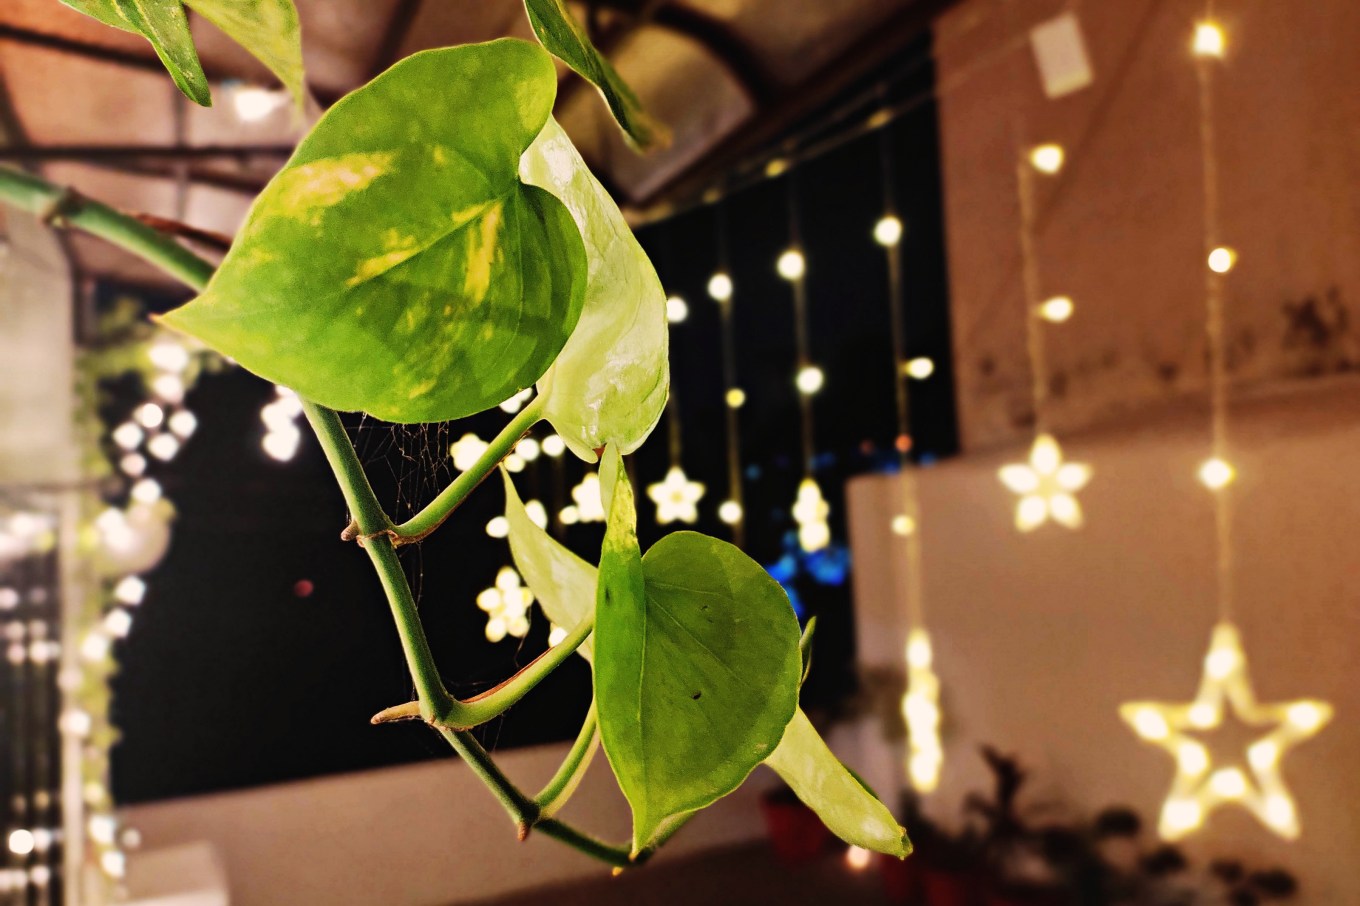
x,y
676,497
810,511
921,710
589,504
507,606
1047,486
1198,787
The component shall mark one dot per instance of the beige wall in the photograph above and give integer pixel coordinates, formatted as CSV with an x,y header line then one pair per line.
x,y
1040,637
421,835
1122,227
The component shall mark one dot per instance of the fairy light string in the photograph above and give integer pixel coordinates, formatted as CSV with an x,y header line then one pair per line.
x,y
1253,782
721,290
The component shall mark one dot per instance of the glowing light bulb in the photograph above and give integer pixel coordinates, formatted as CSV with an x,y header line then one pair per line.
x,y
1057,309
1047,158
570,515
149,415
281,445
253,103
720,287
918,649
736,398
467,450
729,511
21,842
182,423
809,379
169,387
516,402
810,511
537,513
163,446
1046,486
167,355
1222,259
791,265
586,496
903,525
677,310
507,606
920,368
102,829
857,858
1209,40
556,635
554,445
1180,816
528,449
128,436
1216,473
498,527
147,490
118,623
129,590
888,231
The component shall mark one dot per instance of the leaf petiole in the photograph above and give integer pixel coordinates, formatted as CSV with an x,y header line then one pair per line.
x,y
568,777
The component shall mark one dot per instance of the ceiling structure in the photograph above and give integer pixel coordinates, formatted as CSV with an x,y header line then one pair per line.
x,y
90,106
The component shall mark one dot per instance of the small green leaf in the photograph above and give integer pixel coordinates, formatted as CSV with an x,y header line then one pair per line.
x,y
565,39
609,385
163,23
269,29
698,666
397,264
844,804
563,584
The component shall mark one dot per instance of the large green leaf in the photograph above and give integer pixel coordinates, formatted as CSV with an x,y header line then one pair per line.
x,y
397,264
163,23
609,384
564,37
697,668
562,582
269,29
844,804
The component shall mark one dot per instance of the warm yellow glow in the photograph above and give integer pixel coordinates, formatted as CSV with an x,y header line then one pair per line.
x,y
920,368
729,511
21,842
1198,789
466,451
553,445
498,527
810,511
1057,310
921,711
903,525
506,604
1209,40
677,309
791,265
1222,259
888,231
736,398
809,379
720,287
676,497
1046,486
858,858
1047,158
1216,473
589,503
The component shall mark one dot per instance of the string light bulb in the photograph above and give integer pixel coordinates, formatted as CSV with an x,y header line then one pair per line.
x,y
1047,158
858,858
791,265
589,503
729,511
506,604
735,397
920,368
720,287
553,445
677,309
676,497
1047,486
810,511
1057,309
809,379
1209,40
1198,788
888,231
921,711
1216,473
1222,259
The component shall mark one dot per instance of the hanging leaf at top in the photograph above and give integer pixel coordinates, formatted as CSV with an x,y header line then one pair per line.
x,y
397,264
564,37
845,805
609,385
563,584
164,24
269,29
697,669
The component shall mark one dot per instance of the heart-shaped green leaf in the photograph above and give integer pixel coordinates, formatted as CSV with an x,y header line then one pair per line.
x,y
609,384
269,29
397,264
844,804
564,37
163,23
562,583
697,668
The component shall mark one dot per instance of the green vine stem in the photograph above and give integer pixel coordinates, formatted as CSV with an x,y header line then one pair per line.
x,y
64,207
568,777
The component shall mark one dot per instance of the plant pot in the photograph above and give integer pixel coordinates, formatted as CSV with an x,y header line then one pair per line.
x,y
797,835
947,888
901,879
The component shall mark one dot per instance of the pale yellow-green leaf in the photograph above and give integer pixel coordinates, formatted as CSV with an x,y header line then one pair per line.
x,y
269,29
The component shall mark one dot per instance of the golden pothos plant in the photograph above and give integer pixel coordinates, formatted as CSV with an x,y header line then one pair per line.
x,y
433,246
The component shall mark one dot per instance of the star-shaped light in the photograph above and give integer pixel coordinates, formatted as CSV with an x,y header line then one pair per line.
x,y
921,709
507,606
676,497
589,504
1199,788
810,511
1047,486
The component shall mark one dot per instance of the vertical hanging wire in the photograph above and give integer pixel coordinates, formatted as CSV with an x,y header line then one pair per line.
x,y
800,327
729,370
673,428
1029,257
1214,328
